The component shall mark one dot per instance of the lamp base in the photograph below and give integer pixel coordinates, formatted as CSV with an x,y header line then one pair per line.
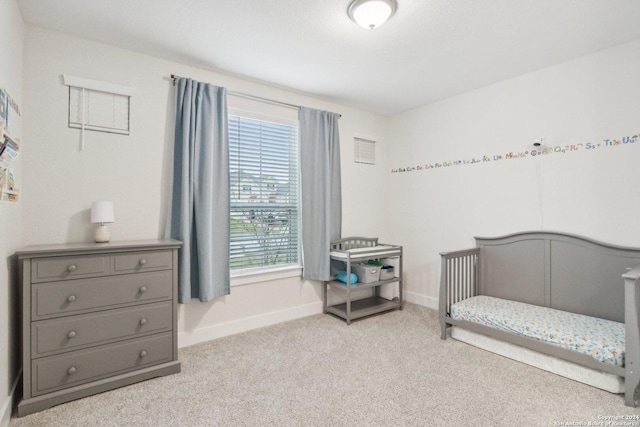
x,y
102,234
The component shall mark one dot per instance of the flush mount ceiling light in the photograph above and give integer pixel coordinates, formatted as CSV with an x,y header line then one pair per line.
x,y
371,14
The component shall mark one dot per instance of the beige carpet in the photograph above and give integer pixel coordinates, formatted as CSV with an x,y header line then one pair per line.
x,y
387,370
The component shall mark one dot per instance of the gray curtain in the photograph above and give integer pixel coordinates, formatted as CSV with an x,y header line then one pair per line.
x,y
199,207
320,189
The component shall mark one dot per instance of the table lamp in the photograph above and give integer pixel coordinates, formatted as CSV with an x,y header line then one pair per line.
x,y
102,213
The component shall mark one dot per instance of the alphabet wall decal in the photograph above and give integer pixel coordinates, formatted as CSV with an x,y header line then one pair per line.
x,y
539,151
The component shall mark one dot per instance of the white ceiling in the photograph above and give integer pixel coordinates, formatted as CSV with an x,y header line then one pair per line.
x,y
429,50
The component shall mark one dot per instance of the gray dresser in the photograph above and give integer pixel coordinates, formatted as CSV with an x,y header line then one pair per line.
x,y
96,316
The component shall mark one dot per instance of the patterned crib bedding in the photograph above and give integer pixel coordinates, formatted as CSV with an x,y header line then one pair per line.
x,y
601,339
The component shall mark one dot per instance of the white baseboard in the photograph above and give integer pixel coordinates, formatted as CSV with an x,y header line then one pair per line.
x,y
242,325
6,407
420,299
209,333
5,410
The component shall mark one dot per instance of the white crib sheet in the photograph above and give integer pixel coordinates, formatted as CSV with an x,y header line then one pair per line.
x,y
601,339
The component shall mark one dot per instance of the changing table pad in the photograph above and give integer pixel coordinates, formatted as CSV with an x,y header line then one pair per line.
x,y
599,338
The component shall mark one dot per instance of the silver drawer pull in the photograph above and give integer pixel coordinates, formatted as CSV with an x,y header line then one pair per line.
x,y
71,298
71,334
142,261
143,289
72,267
72,370
143,321
143,353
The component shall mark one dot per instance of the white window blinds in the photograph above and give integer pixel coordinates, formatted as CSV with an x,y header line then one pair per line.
x,y
263,162
98,106
364,151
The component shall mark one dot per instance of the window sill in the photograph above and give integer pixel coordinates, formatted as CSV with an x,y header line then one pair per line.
x,y
249,278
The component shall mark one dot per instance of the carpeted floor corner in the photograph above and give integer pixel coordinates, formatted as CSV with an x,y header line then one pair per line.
x,y
387,370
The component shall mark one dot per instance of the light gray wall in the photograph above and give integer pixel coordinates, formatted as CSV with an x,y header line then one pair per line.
x,y
11,78
134,171
587,192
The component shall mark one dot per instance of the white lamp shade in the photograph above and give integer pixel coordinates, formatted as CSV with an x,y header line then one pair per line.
x,y
371,14
102,212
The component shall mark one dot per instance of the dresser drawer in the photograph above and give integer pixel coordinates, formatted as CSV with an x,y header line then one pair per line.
x,y
71,267
84,295
79,367
76,332
136,262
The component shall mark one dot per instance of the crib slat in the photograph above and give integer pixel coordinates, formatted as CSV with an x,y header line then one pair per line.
x,y
460,276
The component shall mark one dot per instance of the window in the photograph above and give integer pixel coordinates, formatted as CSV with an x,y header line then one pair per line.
x,y
263,168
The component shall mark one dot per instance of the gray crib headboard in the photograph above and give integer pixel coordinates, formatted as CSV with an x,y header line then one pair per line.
x,y
556,270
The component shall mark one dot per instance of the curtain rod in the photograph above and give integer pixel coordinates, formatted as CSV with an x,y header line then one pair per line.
x,y
253,97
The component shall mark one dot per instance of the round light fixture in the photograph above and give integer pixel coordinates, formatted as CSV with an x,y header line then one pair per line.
x,y
371,14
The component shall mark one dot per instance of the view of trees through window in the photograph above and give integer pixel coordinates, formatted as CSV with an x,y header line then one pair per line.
x,y
263,159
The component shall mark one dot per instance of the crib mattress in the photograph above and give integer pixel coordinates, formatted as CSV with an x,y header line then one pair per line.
x,y
601,339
